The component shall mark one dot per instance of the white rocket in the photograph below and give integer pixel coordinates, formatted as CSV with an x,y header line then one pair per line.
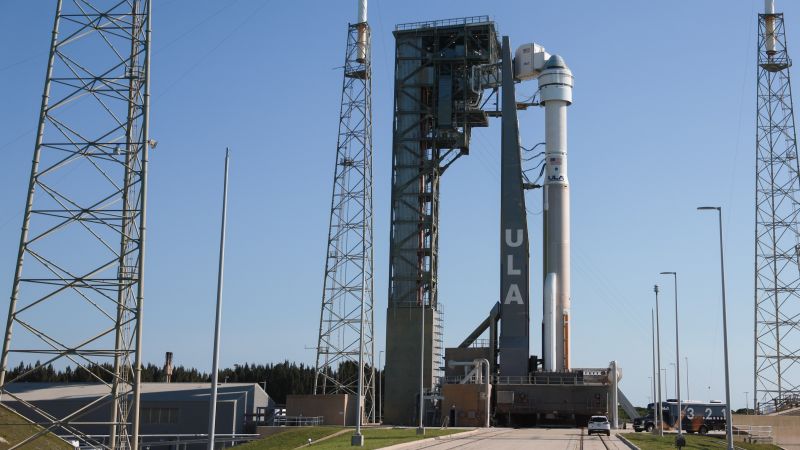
x,y
555,90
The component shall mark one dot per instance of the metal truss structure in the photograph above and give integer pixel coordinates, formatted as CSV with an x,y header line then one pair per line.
x,y
346,330
438,99
78,299
777,231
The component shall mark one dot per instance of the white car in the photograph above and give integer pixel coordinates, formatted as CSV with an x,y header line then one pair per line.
x,y
599,425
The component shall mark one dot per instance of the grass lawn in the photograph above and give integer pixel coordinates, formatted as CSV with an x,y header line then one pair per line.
x,y
383,437
647,441
292,438
373,438
10,433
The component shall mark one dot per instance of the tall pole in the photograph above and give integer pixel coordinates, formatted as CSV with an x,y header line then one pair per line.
x,y
728,418
688,392
746,402
380,388
658,362
212,402
655,375
677,352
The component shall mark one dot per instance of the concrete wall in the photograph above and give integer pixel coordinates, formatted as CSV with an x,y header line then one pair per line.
x,y
401,387
336,409
785,429
469,401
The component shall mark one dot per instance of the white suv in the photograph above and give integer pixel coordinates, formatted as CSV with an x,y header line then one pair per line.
x,y
599,425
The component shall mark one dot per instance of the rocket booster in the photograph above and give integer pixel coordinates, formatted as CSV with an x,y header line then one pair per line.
x,y
555,86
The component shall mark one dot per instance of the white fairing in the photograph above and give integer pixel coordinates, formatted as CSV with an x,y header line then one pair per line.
x,y
550,322
555,86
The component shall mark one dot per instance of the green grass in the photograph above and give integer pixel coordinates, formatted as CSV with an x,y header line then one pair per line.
x,y
292,438
14,429
647,441
383,437
373,438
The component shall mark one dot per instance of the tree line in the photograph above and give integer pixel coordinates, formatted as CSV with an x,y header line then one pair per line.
x,y
280,379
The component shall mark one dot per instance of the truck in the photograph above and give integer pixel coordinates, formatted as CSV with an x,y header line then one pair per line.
x,y
696,417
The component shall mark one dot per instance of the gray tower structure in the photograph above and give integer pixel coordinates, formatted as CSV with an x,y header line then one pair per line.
x,y
777,237
438,99
346,332
78,298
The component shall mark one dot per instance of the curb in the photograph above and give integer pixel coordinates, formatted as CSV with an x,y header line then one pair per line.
x,y
625,441
437,438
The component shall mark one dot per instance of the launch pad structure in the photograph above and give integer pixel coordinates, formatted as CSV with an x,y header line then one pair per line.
x,y
443,69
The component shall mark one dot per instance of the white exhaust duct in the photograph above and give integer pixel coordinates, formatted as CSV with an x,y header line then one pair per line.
x,y
362,30
769,23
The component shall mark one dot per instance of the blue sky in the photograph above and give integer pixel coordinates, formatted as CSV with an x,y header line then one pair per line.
x,y
662,122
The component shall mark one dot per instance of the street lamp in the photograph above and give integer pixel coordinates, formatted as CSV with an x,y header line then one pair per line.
x,y
728,417
658,374
746,402
677,353
654,378
688,392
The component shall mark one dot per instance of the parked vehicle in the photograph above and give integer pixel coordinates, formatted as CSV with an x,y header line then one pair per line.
x,y
696,417
599,425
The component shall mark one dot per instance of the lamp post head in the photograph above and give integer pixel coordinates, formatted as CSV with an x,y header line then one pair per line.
x,y
655,289
669,273
709,208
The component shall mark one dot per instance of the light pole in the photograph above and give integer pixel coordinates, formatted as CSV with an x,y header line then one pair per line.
x,y
688,394
658,374
746,402
728,418
654,378
212,402
666,384
380,389
677,352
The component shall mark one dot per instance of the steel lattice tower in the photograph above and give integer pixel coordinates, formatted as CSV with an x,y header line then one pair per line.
x,y
777,238
78,299
346,318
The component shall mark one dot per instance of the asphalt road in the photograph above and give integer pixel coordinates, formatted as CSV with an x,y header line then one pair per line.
x,y
533,438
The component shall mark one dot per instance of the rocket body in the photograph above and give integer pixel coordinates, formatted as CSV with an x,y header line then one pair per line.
x,y
555,85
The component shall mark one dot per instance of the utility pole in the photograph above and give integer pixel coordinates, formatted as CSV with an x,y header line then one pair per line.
x,y
212,401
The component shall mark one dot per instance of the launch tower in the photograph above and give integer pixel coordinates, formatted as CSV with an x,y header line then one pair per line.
x,y
777,237
346,343
78,299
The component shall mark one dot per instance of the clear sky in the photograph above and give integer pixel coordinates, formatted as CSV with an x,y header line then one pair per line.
x,y
663,121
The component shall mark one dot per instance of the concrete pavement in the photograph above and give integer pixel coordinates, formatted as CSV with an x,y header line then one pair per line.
x,y
514,439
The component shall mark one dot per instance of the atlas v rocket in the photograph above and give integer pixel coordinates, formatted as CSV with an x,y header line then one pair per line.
x,y
555,89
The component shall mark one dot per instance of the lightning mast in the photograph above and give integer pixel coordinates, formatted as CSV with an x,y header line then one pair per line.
x,y
346,343
777,238
78,299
